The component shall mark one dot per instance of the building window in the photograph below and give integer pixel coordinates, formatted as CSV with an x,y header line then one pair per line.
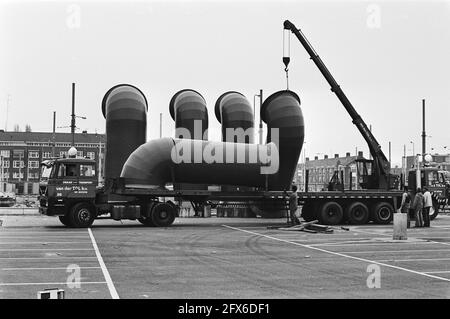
x,y
5,164
18,153
63,154
18,164
5,154
79,153
33,154
91,155
46,155
33,164
17,175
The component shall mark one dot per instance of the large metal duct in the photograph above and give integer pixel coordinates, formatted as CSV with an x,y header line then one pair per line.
x,y
234,111
186,108
194,161
125,109
159,161
281,111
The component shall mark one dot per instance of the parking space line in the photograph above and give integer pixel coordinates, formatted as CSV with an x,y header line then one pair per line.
x,y
47,283
340,254
393,251
109,282
413,259
54,258
43,249
437,272
367,243
46,268
44,242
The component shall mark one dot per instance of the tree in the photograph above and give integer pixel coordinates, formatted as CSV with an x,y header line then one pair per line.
x,y
28,128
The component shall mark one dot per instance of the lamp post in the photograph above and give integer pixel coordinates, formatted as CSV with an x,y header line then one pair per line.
x,y
260,95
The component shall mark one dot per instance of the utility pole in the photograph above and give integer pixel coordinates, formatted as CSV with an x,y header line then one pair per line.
x,y
72,123
260,120
389,152
160,125
423,133
54,134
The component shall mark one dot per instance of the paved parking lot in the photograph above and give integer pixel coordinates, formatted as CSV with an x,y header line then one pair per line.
x,y
221,258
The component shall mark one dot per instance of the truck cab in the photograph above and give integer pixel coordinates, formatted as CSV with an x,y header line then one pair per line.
x,y
67,189
437,183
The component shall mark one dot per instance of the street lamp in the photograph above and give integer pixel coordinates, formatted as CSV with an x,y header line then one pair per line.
x,y
414,153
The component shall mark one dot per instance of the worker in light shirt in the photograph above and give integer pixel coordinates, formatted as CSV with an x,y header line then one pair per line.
x,y
427,204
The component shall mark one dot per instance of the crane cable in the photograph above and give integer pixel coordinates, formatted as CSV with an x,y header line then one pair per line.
x,y
286,54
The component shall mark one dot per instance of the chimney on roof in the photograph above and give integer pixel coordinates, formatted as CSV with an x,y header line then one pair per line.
x,y
306,159
360,154
325,156
84,132
316,158
336,155
347,154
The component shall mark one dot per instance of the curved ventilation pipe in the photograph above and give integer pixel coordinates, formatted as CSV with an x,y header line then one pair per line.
x,y
125,110
234,111
281,115
235,114
188,109
165,160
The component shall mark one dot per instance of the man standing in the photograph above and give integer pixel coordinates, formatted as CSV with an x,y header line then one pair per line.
x,y
427,204
406,205
418,207
293,206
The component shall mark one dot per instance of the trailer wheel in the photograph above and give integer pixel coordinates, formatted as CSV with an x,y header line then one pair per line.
x,y
162,215
382,213
331,213
81,215
65,221
308,212
357,213
145,218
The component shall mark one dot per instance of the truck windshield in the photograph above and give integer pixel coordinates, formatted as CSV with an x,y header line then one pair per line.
x,y
45,173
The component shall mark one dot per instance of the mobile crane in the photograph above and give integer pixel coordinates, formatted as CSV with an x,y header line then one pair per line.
x,y
380,179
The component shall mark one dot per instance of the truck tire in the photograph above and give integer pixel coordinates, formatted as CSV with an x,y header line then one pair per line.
x,y
162,215
145,218
309,212
357,213
382,213
434,210
65,221
81,215
331,213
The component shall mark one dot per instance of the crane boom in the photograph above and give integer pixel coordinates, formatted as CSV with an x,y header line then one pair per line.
x,y
381,166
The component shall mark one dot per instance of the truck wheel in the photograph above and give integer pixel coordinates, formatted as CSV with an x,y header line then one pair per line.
x,y
434,210
357,213
382,213
308,212
81,215
331,213
65,221
145,218
162,215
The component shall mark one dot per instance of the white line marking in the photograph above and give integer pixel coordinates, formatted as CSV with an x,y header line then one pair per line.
x,y
341,255
54,258
40,237
109,282
437,272
392,251
47,283
43,249
413,259
41,232
369,243
46,268
44,242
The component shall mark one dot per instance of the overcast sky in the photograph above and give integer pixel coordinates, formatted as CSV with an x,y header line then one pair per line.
x,y
386,57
